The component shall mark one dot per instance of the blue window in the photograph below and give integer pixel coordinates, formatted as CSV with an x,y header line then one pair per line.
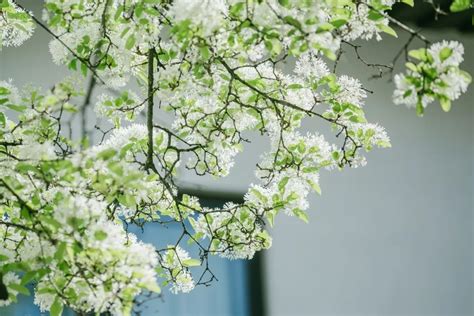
x,y
237,291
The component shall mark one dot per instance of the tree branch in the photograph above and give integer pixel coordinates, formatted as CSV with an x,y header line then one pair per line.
x,y
149,115
87,101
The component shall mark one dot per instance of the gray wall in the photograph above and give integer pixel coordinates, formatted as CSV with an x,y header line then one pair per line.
x,y
393,238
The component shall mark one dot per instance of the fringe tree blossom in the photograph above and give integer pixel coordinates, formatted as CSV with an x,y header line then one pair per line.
x,y
172,262
368,21
16,25
436,76
209,73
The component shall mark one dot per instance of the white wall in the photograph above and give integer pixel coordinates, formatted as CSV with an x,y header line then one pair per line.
x,y
393,238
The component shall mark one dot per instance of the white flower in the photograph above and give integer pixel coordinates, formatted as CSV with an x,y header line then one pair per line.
x,y
121,137
361,25
311,67
452,49
208,14
446,82
127,106
350,91
31,149
174,260
405,93
11,91
452,84
375,134
43,300
15,25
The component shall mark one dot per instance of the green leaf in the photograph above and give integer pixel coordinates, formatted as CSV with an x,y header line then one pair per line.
x,y
325,27
420,54
19,288
196,237
301,215
387,29
292,21
130,42
46,290
3,120
271,218
375,15
70,108
17,108
100,235
315,187
191,262
56,308
445,104
107,154
282,184
466,75
60,251
419,108
205,52
4,4
412,67
236,8
445,53
84,69
301,147
411,3
27,277
276,47
153,287
4,91
254,113
266,239
259,195
338,23
460,5
73,64
329,54
50,221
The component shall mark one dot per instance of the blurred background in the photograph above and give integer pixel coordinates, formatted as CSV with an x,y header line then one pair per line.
x,y
392,238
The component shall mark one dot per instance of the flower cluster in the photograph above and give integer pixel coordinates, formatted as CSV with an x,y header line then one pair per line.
x,y
434,75
368,20
126,106
234,230
175,263
107,266
16,25
106,35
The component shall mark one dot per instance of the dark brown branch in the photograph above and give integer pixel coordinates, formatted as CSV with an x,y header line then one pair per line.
x,y
85,105
149,114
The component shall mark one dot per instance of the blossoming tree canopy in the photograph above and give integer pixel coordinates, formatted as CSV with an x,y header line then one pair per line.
x,y
216,66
